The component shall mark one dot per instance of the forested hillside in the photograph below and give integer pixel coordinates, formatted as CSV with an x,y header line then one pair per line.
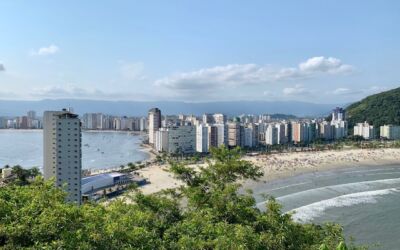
x,y
378,109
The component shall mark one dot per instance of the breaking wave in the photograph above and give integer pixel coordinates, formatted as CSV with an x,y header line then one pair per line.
x,y
308,212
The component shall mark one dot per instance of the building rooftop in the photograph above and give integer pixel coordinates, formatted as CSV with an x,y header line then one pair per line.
x,y
97,177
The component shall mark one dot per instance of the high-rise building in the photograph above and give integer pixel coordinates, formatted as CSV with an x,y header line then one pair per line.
x,y
390,132
212,137
325,130
235,134
202,138
248,137
340,129
208,118
176,139
143,124
271,135
282,139
303,132
23,122
288,132
222,133
154,123
365,130
338,114
161,140
219,118
62,152
3,123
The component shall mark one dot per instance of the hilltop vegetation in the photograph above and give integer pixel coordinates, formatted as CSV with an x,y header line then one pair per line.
x,y
378,109
207,213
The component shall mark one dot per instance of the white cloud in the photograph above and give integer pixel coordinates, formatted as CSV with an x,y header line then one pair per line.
x,y
321,64
44,51
132,71
298,89
244,74
2,68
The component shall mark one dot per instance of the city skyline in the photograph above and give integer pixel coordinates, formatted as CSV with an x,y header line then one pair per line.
x,y
336,52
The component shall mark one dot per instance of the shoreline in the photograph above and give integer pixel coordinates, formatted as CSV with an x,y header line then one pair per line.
x,y
291,164
285,165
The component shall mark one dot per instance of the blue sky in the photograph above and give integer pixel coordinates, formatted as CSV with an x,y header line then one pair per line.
x,y
316,51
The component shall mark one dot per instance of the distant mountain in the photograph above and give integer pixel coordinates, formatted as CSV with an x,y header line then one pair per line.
x,y
378,109
134,108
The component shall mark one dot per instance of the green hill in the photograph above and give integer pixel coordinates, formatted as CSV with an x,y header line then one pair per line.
x,y
378,109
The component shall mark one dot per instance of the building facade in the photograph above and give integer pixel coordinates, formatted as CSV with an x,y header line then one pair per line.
x,y
364,130
390,132
62,152
154,123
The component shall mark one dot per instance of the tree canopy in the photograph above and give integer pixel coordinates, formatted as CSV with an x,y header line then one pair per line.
x,y
378,109
206,213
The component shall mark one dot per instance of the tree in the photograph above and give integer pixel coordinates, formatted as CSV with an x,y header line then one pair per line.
x,y
23,175
207,212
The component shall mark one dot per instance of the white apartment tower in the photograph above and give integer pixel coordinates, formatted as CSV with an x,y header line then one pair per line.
x,y
62,152
365,130
222,133
272,135
390,132
202,138
154,123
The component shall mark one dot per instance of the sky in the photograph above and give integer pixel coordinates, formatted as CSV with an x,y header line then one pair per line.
x,y
198,51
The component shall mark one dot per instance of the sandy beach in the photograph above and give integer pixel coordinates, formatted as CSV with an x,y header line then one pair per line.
x,y
283,165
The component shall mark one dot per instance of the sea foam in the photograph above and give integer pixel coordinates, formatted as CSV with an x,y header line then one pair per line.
x,y
313,210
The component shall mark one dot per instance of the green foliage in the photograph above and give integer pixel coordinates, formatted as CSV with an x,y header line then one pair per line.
x,y
378,109
207,213
23,175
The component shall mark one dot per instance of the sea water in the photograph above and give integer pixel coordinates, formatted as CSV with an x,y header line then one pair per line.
x,y
99,149
364,200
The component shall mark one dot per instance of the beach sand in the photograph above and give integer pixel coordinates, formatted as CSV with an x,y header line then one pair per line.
x,y
275,166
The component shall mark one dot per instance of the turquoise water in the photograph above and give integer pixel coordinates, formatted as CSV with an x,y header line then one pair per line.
x,y
365,200
99,149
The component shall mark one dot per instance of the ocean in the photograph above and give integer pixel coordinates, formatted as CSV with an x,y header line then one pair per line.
x,y
364,200
100,150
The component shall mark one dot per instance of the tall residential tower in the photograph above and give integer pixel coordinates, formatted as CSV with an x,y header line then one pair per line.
x,y
62,152
154,123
